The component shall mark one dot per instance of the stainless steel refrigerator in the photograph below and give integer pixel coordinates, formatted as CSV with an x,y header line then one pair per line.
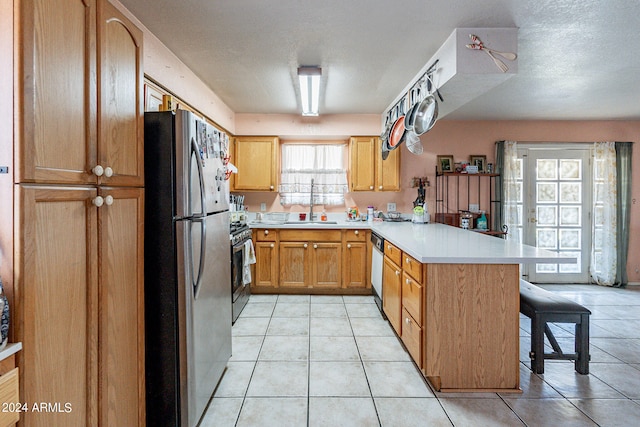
x,y
187,267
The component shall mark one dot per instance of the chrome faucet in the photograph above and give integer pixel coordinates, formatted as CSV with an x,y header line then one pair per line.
x,y
311,202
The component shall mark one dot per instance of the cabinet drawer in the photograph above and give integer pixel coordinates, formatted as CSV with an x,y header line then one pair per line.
x,y
266,235
412,296
9,395
412,266
393,252
310,235
356,235
412,337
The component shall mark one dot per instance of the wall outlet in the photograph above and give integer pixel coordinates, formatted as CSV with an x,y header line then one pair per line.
x,y
263,207
391,207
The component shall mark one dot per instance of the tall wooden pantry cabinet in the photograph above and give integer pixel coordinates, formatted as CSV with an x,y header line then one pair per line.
x,y
75,239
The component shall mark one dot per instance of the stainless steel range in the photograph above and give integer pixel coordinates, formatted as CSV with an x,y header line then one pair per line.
x,y
240,238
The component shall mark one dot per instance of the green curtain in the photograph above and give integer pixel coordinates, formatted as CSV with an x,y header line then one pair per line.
x,y
623,184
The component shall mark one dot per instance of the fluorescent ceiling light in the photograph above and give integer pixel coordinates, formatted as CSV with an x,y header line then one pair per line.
x,y
310,89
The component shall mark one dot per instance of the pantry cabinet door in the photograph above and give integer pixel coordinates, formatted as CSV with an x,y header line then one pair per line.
x,y
55,92
120,97
57,303
121,297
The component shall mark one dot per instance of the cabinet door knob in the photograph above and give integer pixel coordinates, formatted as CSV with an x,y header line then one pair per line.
x,y
108,172
108,200
371,187
389,247
271,187
98,170
305,246
266,232
315,246
380,188
356,232
349,246
98,201
272,245
408,260
407,320
408,281
397,273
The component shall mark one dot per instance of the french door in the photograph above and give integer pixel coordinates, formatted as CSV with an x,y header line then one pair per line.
x,y
556,209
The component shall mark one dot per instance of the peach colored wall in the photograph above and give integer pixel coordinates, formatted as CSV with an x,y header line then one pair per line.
x,y
288,126
463,138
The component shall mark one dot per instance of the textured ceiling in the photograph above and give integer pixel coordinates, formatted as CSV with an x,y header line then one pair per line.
x,y
576,59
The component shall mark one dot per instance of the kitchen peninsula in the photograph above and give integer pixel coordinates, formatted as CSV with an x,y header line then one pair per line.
x,y
452,296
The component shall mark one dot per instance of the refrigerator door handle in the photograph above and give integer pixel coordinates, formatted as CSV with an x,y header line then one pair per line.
x,y
203,250
195,150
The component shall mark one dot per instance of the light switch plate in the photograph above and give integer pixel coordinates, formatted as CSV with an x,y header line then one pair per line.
x,y
391,207
263,207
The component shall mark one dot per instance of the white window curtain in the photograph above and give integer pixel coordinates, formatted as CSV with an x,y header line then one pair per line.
x,y
322,162
512,191
604,242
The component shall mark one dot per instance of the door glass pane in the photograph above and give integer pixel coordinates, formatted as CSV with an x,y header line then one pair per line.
x,y
569,239
547,215
570,169
547,169
570,215
546,238
547,192
570,192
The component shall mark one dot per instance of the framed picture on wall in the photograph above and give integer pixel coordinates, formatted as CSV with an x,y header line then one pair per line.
x,y
480,162
445,164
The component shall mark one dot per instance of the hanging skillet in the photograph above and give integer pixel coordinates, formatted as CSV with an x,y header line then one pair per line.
x,y
426,114
398,132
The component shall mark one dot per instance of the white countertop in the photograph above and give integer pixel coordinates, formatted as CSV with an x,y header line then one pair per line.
x,y
444,244
439,243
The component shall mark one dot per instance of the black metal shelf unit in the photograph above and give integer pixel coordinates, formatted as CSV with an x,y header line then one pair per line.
x,y
450,196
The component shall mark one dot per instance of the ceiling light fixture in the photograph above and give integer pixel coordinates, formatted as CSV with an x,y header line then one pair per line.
x,y
310,89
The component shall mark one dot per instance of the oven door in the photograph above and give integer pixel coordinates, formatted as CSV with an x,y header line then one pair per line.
x,y
237,263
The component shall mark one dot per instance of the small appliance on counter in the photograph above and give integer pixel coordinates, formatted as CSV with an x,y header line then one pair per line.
x,y
420,211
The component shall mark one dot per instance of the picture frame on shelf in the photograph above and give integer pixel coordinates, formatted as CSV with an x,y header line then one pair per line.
x,y
445,164
479,161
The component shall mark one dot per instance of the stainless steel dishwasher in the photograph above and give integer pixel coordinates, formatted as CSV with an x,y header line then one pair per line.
x,y
377,260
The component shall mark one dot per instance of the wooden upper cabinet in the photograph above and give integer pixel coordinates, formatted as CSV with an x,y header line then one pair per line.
x,y
362,158
120,96
367,169
387,171
256,158
55,97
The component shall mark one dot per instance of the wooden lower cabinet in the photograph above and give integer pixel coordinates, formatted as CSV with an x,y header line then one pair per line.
x,y
80,304
356,259
329,261
295,265
266,267
392,293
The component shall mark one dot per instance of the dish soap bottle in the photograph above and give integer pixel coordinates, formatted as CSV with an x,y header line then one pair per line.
x,y
482,222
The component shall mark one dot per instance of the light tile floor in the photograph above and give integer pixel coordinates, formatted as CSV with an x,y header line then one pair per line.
x,y
333,361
